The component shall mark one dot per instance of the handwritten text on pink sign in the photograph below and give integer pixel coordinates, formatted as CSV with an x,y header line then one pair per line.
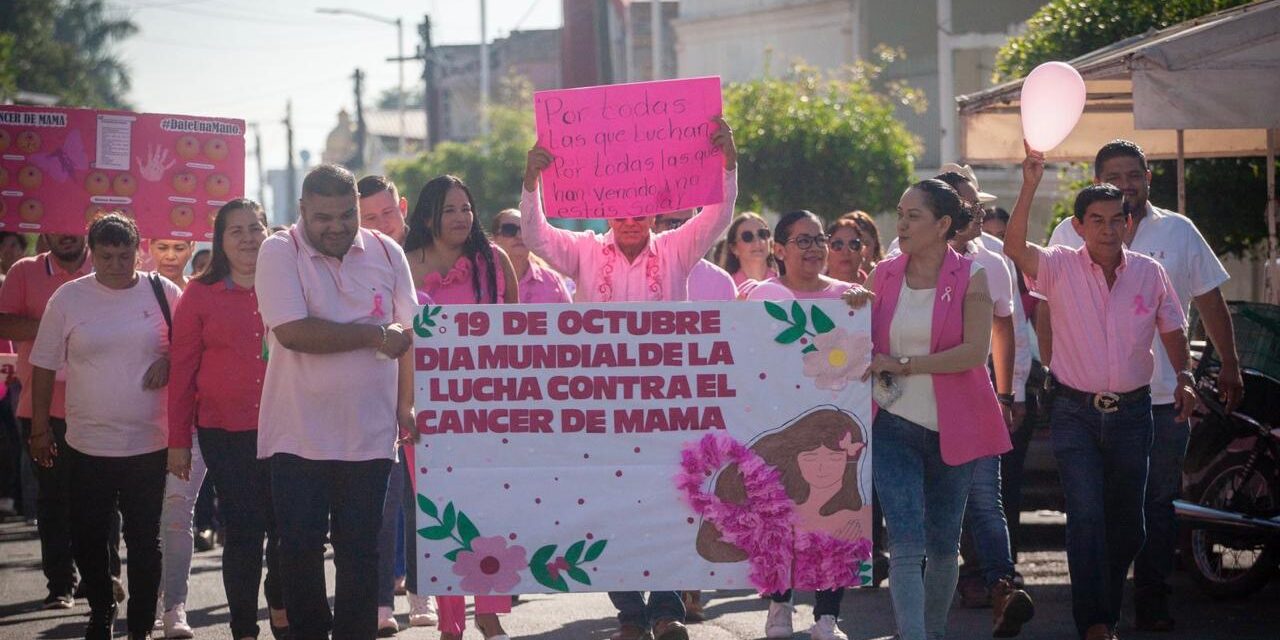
x,y
630,149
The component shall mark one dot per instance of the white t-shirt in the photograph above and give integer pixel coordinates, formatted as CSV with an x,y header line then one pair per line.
x,y
1193,269
106,339
1021,326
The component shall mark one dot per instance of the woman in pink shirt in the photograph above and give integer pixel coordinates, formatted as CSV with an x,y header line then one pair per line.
x,y
215,386
454,263
800,248
747,254
538,282
844,244
936,409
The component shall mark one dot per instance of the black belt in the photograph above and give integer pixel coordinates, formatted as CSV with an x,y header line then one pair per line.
x,y
1105,401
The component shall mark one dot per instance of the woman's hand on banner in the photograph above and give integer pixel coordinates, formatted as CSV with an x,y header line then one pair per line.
x,y
857,296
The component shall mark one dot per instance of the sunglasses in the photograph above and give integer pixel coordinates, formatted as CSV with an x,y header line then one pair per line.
x,y
508,230
840,245
748,237
804,242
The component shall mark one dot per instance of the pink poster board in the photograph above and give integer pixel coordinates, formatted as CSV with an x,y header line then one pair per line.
x,y
630,149
60,167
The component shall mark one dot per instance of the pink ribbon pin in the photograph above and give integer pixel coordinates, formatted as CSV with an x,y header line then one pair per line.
x,y
946,294
1140,306
377,306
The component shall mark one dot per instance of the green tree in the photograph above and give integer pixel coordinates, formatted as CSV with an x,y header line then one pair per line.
x,y
1225,196
825,142
65,48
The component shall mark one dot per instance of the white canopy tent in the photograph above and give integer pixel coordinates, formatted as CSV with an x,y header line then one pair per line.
x,y
1205,88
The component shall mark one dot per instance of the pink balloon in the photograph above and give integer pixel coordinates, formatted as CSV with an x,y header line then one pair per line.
x,y
1053,98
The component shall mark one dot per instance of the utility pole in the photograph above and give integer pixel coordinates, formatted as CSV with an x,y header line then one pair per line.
x,y
291,172
257,156
361,132
484,69
431,101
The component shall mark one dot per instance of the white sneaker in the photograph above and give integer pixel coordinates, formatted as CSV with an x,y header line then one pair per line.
x,y
422,611
387,626
175,623
778,624
825,629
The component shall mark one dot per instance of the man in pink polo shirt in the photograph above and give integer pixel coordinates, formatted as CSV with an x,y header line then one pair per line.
x,y
706,280
336,298
1107,303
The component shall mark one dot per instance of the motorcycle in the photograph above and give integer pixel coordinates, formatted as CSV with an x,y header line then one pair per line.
x,y
1231,477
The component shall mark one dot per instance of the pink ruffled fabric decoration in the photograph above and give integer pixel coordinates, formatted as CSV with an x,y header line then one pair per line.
x,y
764,524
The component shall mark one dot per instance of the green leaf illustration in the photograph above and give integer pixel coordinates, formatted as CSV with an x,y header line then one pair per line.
x,y
776,311
436,311
821,321
452,556
789,335
579,575
575,552
542,556
428,507
435,533
809,349
539,573
466,529
420,328
450,517
595,550
797,315
557,582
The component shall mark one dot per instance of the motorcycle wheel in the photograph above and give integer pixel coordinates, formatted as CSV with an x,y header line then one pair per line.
x,y
1234,565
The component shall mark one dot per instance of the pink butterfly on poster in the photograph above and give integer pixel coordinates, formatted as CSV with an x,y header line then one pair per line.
x,y
65,161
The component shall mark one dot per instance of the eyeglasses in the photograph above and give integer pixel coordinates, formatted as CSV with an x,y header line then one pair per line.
x,y
508,230
804,242
669,224
747,237
840,245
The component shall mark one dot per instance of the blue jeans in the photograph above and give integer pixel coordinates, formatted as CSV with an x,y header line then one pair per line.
x,y
984,520
1154,564
312,494
923,500
1102,459
392,529
634,611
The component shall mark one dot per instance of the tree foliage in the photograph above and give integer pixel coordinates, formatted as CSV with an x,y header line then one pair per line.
x,y
65,48
825,142
1226,196
492,165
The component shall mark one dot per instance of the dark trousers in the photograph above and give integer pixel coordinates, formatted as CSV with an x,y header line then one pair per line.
x,y
1011,467
1102,458
1154,564
826,602
12,450
53,511
244,493
312,494
634,610
134,484
409,507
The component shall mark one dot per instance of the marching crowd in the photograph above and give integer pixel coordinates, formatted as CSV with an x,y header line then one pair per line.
x,y
280,372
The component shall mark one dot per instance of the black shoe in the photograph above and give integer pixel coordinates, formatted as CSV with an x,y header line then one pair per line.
x,y
204,540
100,623
58,601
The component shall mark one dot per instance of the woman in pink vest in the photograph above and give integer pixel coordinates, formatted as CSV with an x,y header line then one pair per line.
x,y
936,409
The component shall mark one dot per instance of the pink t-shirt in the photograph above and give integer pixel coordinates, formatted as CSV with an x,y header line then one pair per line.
x,y
26,292
336,406
1102,337
831,289
708,282
542,285
105,339
456,286
603,274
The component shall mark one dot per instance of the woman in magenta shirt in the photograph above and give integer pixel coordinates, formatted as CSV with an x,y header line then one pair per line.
x,y
538,282
215,386
454,263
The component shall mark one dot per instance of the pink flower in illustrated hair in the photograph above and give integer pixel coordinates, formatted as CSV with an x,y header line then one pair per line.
x,y
491,566
840,358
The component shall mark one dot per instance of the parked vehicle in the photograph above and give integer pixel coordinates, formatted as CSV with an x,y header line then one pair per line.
x,y
1231,478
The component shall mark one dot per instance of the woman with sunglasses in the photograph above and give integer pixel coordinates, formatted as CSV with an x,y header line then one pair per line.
x,y
872,252
746,251
538,282
845,258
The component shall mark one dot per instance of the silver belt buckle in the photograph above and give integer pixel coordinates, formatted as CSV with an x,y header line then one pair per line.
x,y
1106,402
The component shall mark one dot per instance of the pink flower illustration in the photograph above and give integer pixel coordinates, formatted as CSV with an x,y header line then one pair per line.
x,y
491,566
840,358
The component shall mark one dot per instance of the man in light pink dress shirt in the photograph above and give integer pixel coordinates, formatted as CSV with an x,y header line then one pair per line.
x,y
706,280
1107,304
336,299
631,263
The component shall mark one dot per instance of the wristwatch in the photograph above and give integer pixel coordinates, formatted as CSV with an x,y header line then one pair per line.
x,y
1005,399
905,361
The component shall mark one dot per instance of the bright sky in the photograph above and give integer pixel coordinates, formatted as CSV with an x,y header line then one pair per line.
x,y
244,58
